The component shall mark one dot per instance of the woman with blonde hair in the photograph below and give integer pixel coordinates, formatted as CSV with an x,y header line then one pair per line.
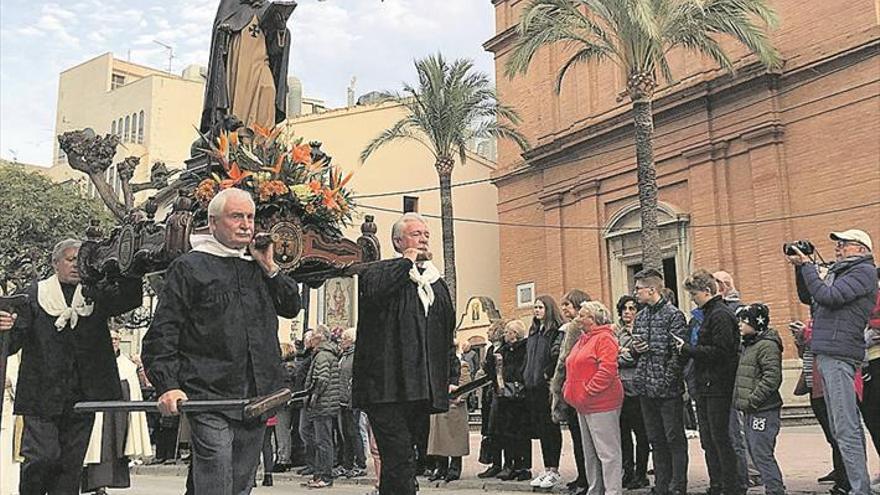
x,y
593,388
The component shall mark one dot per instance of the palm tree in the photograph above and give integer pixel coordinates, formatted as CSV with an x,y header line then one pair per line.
x,y
637,35
452,104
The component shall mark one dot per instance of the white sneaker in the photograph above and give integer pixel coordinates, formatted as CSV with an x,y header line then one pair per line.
x,y
552,479
539,479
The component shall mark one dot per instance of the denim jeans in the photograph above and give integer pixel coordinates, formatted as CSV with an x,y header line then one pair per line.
x,y
307,434
745,467
283,437
352,446
322,439
226,453
664,423
838,376
762,428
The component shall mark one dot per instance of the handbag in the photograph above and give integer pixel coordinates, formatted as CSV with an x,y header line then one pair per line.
x,y
512,391
801,387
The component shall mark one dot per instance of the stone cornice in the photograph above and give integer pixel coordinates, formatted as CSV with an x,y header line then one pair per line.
x,y
500,41
551,200
764,134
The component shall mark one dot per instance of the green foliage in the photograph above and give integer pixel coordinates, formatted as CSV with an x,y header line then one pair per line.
x,y
637,35
36,213
451,104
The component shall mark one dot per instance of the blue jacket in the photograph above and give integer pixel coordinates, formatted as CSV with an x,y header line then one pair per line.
x,y
842,305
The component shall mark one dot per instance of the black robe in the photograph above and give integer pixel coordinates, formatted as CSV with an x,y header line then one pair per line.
x,y
215,331
61,368
401,355
237,14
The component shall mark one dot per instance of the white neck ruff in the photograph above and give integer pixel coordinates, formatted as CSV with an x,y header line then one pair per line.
x,y
51,299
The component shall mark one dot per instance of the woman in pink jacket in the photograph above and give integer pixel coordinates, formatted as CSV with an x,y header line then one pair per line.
x,y
593,388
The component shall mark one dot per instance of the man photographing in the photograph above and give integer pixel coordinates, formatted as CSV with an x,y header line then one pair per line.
x,y
841,305
215,336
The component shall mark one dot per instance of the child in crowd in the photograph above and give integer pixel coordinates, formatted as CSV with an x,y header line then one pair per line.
x,y
756,393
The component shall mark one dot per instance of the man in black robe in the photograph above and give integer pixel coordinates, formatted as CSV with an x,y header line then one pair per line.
x,y
215,336
236,18
66,357
401,371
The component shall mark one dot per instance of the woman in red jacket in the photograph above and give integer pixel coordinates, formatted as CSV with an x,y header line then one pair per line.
x,y
593,388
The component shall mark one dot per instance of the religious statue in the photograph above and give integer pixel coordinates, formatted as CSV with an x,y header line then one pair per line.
x,y
247,69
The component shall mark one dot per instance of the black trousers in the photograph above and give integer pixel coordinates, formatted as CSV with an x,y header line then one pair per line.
x,y
54,448
574,428
548,432
820,410
353,455
396,426
632,423
664,423
713,420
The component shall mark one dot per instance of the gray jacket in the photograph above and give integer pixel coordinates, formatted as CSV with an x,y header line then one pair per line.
x,y
659,370
842,305
626,361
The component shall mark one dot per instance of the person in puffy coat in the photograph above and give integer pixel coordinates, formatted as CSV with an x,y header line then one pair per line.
x,y
756,392
323,406
594,389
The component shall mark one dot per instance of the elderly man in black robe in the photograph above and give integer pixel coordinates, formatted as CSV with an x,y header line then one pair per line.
x,y
66,357
215,336
401,370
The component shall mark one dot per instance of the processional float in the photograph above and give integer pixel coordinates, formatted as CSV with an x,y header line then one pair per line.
x,y
302,200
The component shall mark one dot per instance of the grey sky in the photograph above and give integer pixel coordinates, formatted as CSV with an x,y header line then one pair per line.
x,y
333,41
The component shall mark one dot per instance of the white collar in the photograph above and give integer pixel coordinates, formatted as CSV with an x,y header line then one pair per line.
x,y
51,299
423,282
207,243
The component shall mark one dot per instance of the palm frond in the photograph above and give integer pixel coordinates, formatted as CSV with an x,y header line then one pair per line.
x,y
585,54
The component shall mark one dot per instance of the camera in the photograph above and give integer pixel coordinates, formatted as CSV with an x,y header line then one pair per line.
x,y
805,247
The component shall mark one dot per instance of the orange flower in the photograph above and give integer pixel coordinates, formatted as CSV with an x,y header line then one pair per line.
x,y
206,190
260,130
233,138
272,188
235,176
279,163
302,154
330,199
315,186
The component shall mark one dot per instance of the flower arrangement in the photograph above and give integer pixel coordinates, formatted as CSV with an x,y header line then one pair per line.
x,y
280,172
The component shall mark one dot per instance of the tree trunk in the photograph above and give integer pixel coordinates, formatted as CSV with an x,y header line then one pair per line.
x,y
108,195
444,170
647,174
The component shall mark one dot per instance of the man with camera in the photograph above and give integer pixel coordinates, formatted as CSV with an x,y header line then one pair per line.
x,y
841,305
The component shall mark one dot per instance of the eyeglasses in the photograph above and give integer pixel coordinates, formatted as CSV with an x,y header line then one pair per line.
x,y
843,244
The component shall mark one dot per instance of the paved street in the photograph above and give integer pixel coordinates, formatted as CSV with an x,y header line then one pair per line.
x,y
802,453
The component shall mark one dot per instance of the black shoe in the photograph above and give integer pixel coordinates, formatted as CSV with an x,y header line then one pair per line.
x,y
506,474
828,478
452,476
437,475
577,483
281,467
489,473
838,490
306,471
637,483
523,475
267,480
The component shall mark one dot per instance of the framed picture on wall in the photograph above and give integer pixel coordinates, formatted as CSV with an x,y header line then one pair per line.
x,y
339,302
525,295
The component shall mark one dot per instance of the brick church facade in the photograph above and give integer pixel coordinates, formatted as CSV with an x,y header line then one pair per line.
x,y
745,162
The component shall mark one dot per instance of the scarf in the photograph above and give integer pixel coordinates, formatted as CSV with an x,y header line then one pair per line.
x,y
207,243
51,300
423,282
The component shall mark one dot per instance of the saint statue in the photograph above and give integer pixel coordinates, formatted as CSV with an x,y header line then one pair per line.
x,y
247,70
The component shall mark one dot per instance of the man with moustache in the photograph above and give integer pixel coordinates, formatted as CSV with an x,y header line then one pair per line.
x,y
215,336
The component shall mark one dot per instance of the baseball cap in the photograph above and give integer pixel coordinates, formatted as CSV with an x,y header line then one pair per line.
x,y
853,235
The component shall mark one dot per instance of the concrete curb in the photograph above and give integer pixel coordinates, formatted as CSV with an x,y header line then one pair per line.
x,y
368,482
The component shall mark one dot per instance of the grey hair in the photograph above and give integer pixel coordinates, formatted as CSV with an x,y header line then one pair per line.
x,y
397,228
350,333
58,250
322,331
600,313
218,202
